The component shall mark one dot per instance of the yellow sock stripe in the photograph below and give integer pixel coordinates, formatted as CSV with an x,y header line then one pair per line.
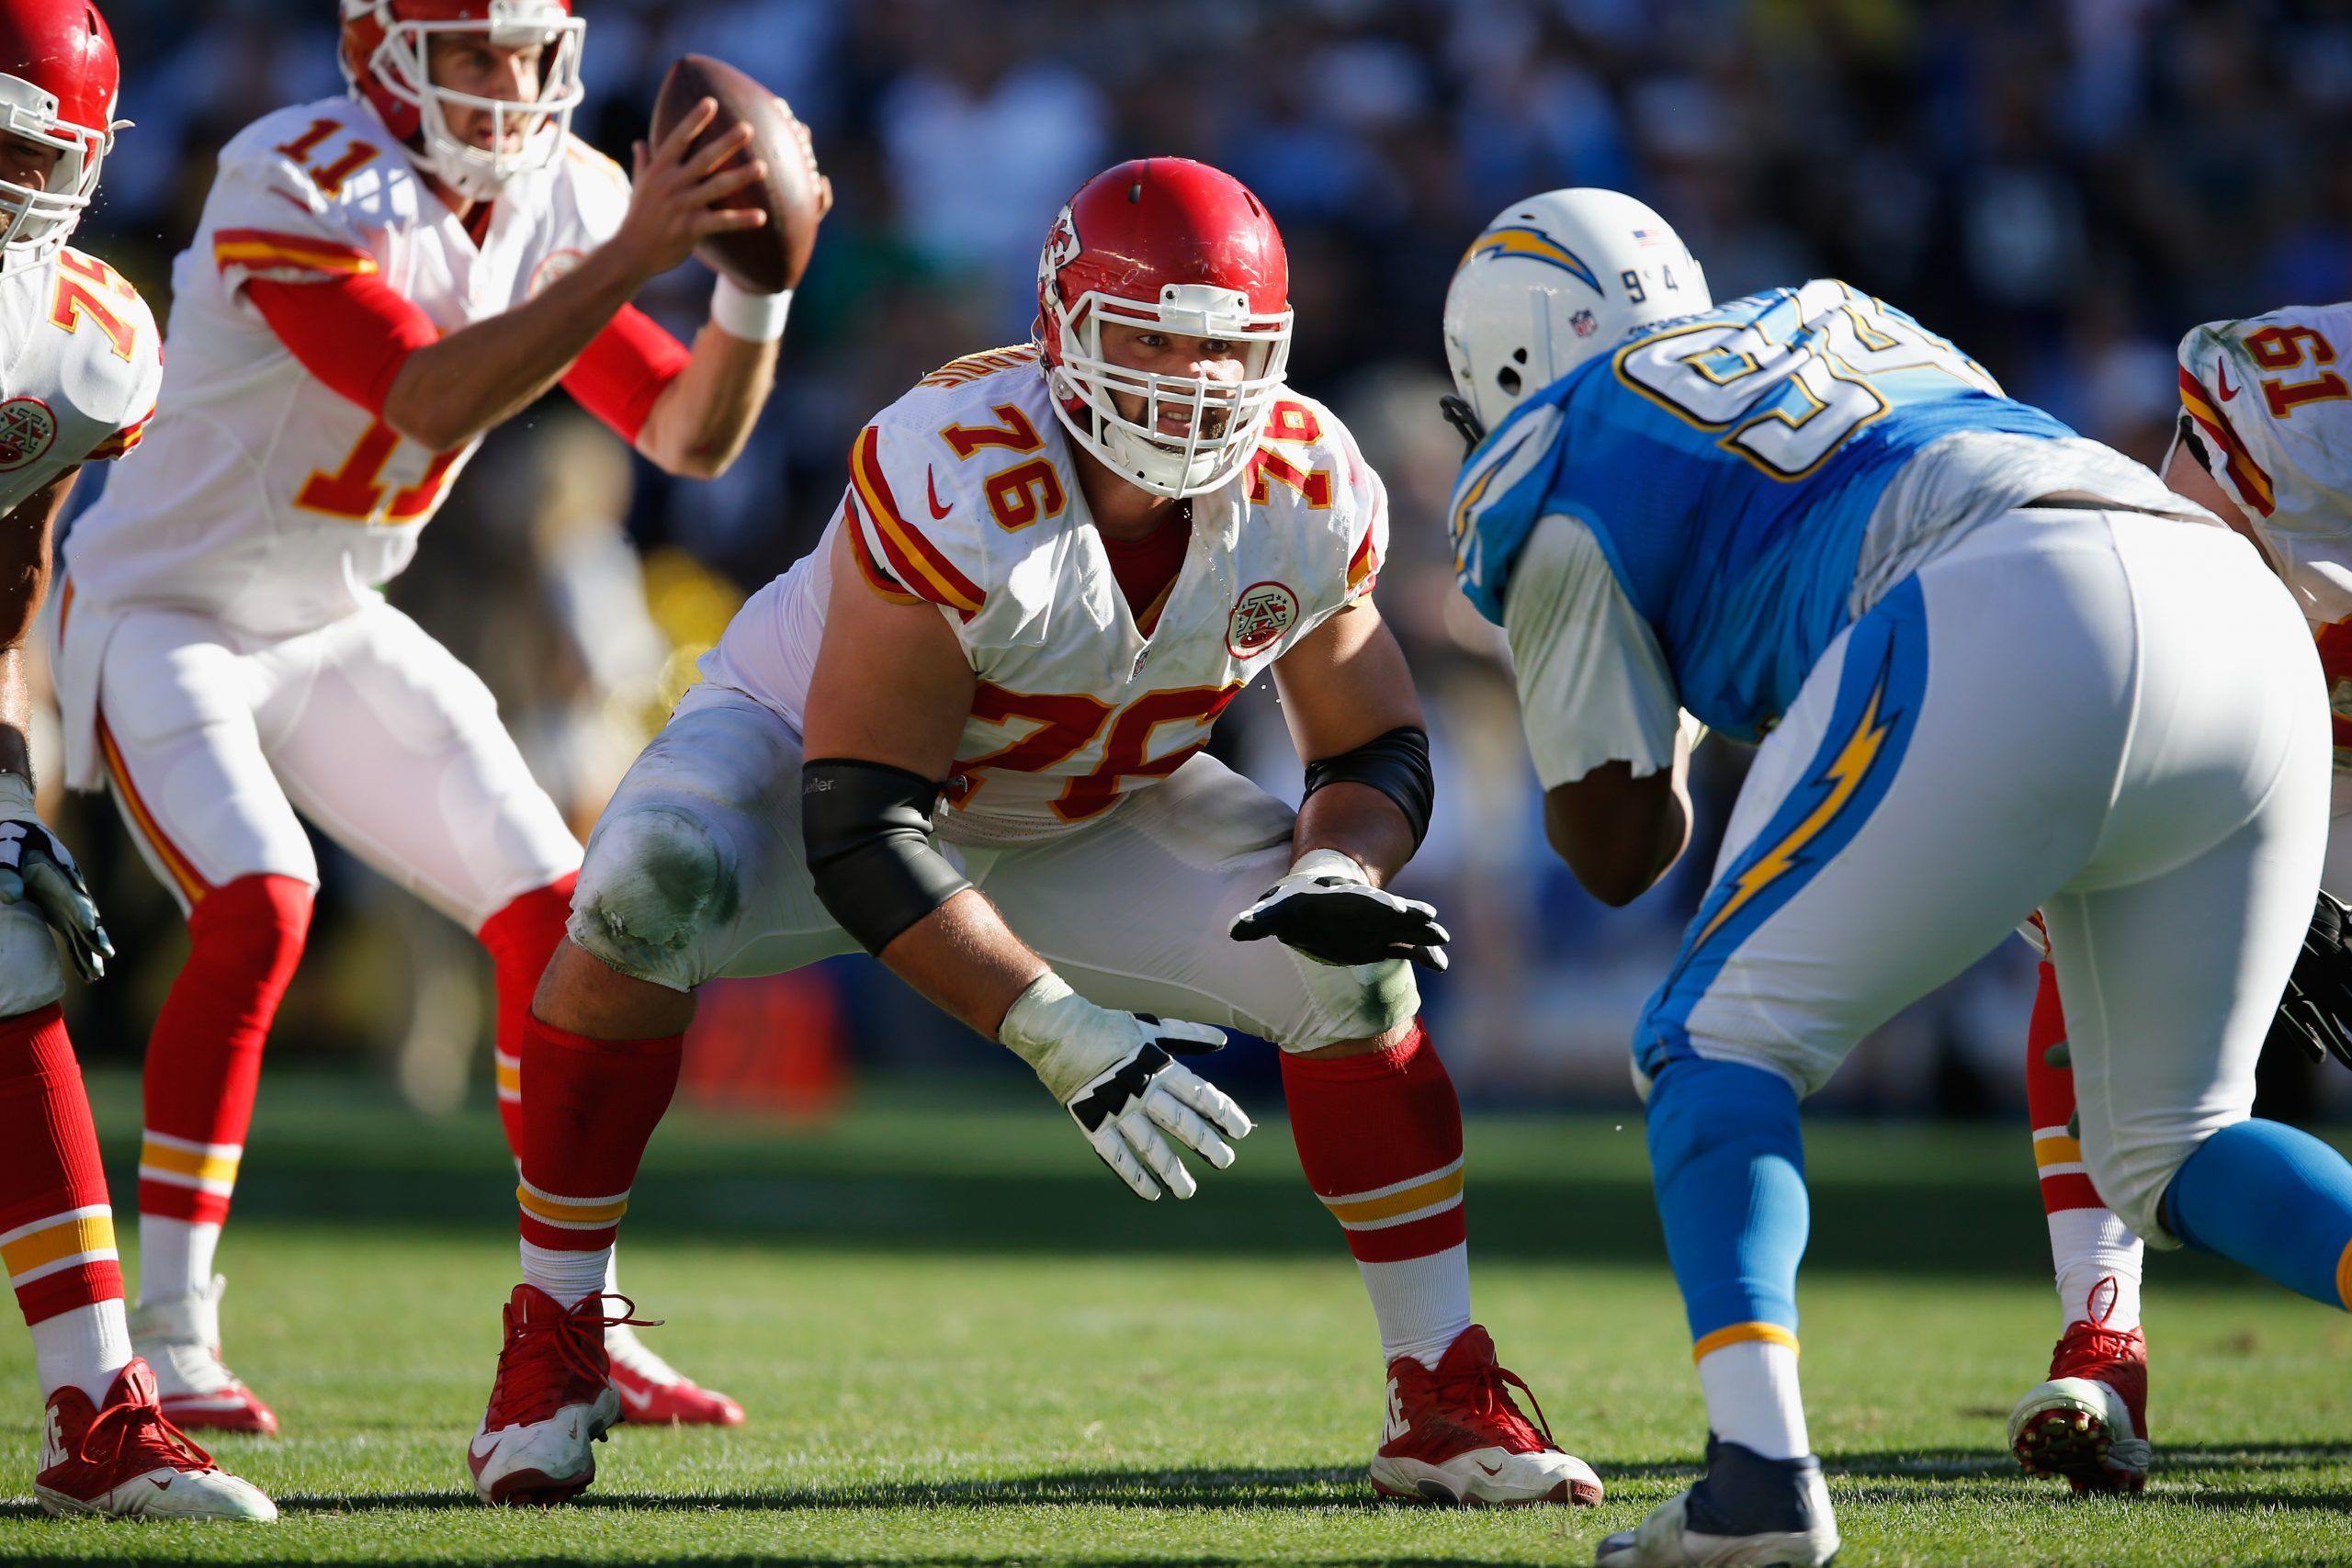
x,y
510,1075
570,1213
2343,1276
182,1163
2059,1150
1399,1198
1742,1334
60,1239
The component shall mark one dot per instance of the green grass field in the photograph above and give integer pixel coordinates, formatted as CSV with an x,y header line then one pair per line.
x,y
961,1343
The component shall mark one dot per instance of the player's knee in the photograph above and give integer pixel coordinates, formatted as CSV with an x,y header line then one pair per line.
x,y
656,880
31,975
1699,1109
1340,1010
254,928
2132,1175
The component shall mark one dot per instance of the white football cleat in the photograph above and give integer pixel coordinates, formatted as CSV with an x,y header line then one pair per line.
x,y
1746,1512
127,1460
1455,1436
551,1400
180,1338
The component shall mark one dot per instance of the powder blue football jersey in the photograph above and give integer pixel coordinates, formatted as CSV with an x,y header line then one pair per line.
x,y
1729,464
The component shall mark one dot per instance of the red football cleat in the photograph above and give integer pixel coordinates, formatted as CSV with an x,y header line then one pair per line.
x,y
128,1461
180,1340
1455,1436
551,1399
654,1392
2090,1421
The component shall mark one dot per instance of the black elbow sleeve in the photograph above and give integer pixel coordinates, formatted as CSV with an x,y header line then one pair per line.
x,y
866,829
1397,764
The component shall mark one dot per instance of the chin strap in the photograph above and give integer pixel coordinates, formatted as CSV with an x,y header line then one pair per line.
x,y
1464,419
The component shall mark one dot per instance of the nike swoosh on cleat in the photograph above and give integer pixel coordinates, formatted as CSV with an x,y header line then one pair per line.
x,y
1489,1469
931,484
158,1485
633,1399
475,1449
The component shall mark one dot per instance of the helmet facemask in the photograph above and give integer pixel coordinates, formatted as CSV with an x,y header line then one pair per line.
x,y
536,128
1222,420
34,222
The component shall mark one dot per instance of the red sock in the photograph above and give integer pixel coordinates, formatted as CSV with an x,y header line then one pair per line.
x,y
56,1228
204,1058
1380,1136
2050,1103
593,1107
521,938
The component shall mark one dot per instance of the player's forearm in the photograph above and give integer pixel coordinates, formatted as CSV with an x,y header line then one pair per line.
x,y
966,959
16,712
449,392
1361,823
700,422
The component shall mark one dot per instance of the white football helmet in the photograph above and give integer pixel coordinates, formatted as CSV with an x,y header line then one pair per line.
x,y
1552,281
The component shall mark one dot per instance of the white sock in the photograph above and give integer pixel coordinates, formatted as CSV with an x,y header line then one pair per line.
x,y
85,1347
1422,1303
2090,1246
174,1258
566,1275
1752,1398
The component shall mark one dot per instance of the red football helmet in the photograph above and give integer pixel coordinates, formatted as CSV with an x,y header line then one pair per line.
x,y
1169,244
57,83
384,60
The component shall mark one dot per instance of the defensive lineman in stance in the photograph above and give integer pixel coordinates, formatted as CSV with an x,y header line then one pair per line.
x,y
1991,667
375,281
82,368
2265,430
1054,565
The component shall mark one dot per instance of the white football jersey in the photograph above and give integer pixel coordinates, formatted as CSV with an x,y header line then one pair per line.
x,y
264,497
964,494
2269,399
80,372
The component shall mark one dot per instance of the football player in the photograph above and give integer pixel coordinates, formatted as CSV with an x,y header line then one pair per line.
x,y
1809,523
965,735
82,364
2270,465
375,281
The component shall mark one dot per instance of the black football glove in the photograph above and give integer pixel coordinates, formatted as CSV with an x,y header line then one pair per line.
x,y
1327,910
2319,993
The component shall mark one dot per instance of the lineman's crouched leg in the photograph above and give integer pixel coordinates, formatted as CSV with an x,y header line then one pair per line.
x,y
695,868
31,975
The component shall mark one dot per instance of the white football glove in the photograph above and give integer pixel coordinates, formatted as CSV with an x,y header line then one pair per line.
x,y
1111,1070
36,868
1327,909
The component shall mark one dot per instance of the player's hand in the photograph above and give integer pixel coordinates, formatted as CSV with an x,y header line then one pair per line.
x,y
1327,908
2318,1002
35,868
1112,1071
677,195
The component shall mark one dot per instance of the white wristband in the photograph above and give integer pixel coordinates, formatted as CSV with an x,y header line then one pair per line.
x,y
17,798
754,318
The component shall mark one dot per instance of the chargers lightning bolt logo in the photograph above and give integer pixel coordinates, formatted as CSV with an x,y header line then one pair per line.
x,y
1838,781
1526,240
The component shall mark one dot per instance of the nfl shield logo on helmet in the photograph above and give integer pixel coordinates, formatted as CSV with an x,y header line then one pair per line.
x,y
1263,612
1584,323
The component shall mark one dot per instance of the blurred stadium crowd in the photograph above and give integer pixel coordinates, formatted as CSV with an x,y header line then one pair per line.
x,y
2061,186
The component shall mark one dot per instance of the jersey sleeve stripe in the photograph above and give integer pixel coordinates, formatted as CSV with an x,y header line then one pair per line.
x,y
918,565
861,552
2253,484
263,250
1363,567
124,440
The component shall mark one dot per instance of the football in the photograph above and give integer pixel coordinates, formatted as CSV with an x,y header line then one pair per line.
x,y
770,258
